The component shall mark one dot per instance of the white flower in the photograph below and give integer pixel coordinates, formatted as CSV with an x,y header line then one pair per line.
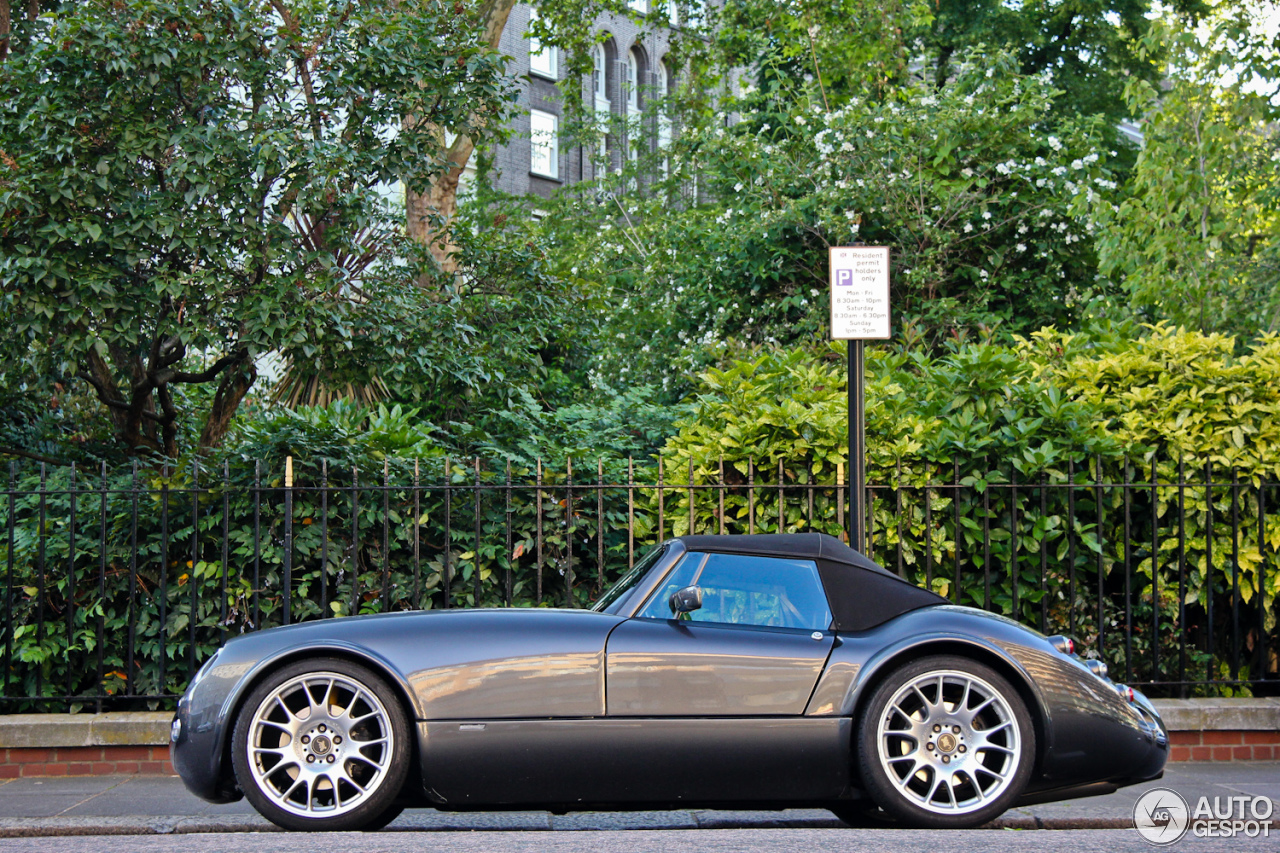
x,y
1054,143
984,275
850,215
1022,247
1077,163
737,187
986,214
845,146
968,226
967,172
990,71
800,120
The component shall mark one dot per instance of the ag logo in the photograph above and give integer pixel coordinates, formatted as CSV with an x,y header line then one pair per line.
x,y
1161,816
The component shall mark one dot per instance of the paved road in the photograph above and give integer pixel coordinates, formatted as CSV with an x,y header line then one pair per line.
x,y
645,841
123,814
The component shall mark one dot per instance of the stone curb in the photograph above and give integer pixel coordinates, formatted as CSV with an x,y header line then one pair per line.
x,y
52,827
1218,715
46,731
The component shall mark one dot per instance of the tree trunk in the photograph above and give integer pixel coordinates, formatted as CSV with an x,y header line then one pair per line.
x,y
5,27
429,215
236,382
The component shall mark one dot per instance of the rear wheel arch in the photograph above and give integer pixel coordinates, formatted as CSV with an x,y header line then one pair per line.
x,y
269,667
977,652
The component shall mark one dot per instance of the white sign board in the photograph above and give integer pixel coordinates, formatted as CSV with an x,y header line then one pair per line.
x,y
859,292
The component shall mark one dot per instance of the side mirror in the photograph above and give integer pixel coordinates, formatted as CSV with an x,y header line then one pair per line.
x,y
686,600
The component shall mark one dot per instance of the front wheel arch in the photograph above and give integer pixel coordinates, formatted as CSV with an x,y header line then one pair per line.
x,y
1015,676
227,773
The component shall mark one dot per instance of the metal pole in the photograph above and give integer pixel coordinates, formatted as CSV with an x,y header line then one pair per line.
x,y
857,447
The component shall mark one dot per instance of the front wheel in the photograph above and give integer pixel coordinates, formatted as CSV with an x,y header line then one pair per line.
x,y
322,744
945,742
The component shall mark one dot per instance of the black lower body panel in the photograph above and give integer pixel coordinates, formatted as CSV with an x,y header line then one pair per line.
x,y
620,762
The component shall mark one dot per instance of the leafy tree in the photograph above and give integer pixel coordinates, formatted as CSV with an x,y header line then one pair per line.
x,y
1087,48
964,184
1196,238
187,185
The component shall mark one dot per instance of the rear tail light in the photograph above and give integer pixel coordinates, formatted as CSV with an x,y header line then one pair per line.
x,y
1097,667
1063,644
1125,691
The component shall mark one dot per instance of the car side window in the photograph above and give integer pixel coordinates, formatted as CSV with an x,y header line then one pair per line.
x,y
747,590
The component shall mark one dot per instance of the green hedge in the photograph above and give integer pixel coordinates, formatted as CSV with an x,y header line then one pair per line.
x,y
949,437
984,423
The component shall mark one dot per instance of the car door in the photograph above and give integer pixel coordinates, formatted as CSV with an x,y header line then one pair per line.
x,y
755,648
726,688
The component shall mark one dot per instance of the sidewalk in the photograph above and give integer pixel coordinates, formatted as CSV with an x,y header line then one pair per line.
x,y
142,805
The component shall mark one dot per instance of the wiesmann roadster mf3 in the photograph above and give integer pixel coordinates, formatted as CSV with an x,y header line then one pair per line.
x,y
747,671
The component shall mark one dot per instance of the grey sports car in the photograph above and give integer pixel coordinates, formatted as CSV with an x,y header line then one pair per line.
x,y
747,671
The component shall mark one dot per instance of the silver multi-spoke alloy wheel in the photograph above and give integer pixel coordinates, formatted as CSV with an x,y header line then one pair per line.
x,y
321,747
951,741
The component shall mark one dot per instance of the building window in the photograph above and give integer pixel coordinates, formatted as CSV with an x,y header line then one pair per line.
x,y
635,136
671,10
664,116
641,6
544,144
633,83
543,61
600,88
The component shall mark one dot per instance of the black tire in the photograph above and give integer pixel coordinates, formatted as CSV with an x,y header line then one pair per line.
x,y
860,814
323,745
945,742
383,819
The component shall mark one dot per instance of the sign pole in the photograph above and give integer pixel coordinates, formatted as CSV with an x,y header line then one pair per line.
x,y
857,447
859,312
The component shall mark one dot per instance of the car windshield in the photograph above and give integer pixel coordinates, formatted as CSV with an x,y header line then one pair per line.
x,y
618,594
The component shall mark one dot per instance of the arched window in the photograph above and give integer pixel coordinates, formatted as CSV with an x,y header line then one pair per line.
x,y
663,91
633,82
599,76
635,136
600,92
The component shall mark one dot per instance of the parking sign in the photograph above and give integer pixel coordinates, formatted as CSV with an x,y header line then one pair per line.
x,y
859,292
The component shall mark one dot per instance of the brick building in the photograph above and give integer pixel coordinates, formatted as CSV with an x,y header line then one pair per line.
x,y
631,67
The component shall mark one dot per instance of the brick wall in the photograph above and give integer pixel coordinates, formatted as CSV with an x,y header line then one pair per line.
x,y
85,761
1225,746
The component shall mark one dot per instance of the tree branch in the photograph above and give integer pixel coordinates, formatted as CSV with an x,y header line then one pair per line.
x,y
13,451
207,374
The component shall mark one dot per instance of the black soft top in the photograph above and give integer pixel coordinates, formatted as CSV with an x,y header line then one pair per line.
x,y
862,595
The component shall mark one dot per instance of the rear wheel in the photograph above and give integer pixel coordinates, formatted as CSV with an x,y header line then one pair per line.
x,y
322,745
945,742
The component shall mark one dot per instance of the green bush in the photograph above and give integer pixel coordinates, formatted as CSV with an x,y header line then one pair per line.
x,y
969,451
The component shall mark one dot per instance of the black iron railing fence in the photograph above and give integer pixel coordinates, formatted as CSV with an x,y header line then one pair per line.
x,y
117,585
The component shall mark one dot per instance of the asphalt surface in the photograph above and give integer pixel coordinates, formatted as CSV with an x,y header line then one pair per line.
x,y
160,805
646,841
